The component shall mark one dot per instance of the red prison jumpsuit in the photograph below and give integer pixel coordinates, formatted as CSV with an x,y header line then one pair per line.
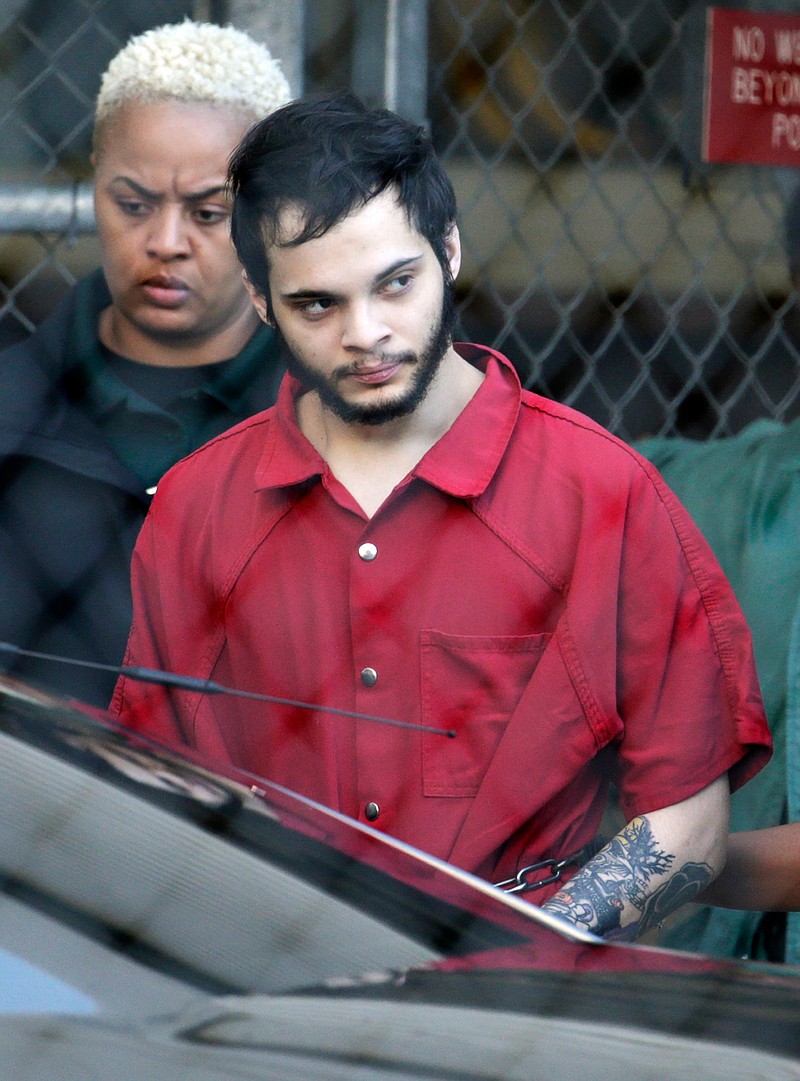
x,y
532,584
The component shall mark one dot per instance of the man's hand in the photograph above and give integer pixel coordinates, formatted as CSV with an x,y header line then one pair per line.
x,y
658,862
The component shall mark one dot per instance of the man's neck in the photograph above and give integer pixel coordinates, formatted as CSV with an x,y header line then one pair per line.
x,y
371,460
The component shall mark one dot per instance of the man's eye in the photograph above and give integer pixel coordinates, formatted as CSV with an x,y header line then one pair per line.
x,y
399,283
316,307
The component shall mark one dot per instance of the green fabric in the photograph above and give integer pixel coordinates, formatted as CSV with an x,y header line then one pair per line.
x,y
793,766
744,494
146,437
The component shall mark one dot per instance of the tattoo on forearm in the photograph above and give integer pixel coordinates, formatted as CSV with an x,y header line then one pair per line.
x,y
620,875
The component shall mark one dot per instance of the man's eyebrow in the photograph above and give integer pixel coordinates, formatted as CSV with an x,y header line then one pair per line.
x,y
387,272
406,261
189,197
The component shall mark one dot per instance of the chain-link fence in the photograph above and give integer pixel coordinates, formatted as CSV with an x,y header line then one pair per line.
x,y
618,273
51,57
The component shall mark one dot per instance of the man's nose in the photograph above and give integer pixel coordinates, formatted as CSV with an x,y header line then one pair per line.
x,y
364,327
169,234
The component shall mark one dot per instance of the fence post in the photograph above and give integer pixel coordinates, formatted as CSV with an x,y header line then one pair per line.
x,y
390,57
278,24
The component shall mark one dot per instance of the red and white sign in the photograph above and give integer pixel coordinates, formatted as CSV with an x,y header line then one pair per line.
x,y
752,88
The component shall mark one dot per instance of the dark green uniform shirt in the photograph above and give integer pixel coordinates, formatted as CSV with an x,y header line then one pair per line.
x,y
153,415
744,494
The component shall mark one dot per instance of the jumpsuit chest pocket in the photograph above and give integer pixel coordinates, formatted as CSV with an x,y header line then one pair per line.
x,y
471,684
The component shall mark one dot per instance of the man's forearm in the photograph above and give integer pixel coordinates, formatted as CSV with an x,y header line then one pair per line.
x,y
654,865
630,885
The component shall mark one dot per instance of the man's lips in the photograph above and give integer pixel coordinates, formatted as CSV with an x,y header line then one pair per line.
x,y
379,373
165,292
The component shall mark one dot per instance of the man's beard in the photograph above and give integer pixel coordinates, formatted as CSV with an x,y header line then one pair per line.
x,y
427,364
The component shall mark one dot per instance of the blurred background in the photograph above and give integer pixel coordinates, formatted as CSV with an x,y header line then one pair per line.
x,y
617,271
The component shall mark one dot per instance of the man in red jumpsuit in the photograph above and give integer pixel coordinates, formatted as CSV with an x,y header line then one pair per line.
x,y
408,534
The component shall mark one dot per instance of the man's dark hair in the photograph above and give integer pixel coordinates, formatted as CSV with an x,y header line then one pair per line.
x,y
330,156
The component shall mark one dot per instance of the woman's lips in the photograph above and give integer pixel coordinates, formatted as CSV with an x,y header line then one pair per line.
x,y
165,292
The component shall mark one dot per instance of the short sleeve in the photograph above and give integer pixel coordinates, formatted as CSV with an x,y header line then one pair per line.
x,y
686,690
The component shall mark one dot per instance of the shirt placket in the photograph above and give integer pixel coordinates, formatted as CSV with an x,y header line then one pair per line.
x,y
376,676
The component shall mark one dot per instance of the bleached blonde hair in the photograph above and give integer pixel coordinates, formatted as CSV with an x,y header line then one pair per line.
x,y
193,62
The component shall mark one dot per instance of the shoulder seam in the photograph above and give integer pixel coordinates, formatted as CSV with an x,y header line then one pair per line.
x,y
239,429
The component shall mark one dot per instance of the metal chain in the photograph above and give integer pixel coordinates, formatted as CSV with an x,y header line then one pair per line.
x,y
523,883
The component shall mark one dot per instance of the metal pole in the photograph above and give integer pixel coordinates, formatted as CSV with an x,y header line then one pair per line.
x,y
45,208
278,24
390,58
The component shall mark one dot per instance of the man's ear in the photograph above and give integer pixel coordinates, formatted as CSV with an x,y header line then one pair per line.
x,y
258,300
452,247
